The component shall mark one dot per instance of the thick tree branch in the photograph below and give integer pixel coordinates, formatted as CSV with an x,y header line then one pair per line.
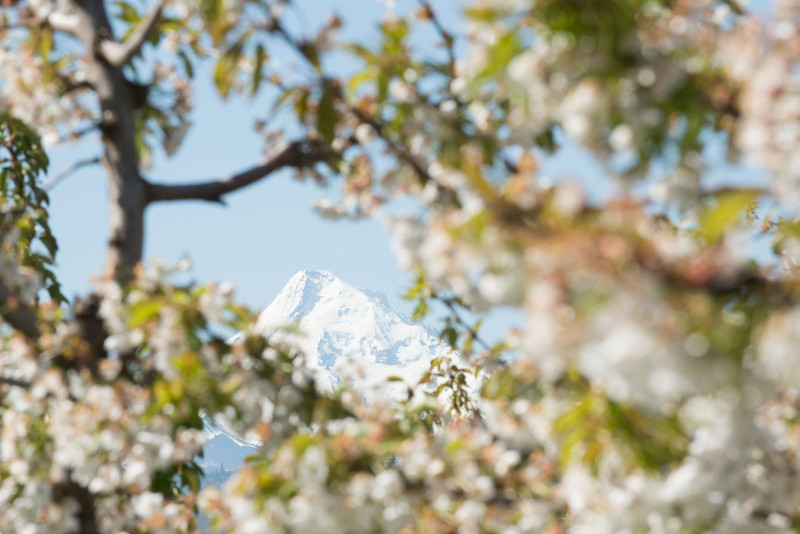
x,y
120,54
15,382
298,154
86,514
19,316
45,13
63,22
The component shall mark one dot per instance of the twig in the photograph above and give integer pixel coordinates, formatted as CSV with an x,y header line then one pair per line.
x,y
447,37
401,151
450,303
55,180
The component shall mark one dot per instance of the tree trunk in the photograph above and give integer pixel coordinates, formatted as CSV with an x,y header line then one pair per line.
x,y
127,200
127,189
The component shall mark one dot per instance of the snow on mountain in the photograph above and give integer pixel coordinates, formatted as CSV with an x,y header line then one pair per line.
x,y
348,334
223,448
347,331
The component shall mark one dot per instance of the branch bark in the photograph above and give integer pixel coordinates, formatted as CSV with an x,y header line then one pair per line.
x,y
298,154
120,54
62,22
15,382
126,187
19,316
86,514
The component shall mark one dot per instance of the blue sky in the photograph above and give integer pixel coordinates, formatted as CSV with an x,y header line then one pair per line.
x,y
265,234
268,231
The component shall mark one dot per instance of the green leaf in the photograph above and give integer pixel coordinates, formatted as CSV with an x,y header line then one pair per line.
x,y
258,69
395,33
286,96
362,77
450,335
729,206
301,103
506,49
310,52
128,13
190,479
361,51
187,63
227,67
420,311
326,114
167,23
486,14
143,311
46,44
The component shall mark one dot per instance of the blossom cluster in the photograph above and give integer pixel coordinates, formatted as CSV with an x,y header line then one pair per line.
x,y
57,110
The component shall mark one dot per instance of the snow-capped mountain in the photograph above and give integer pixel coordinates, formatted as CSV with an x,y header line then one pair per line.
x,y
348,334
346,331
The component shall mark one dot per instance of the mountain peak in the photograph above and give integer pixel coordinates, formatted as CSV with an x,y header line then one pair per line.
x,y
308,280
317,276
298,297
338,320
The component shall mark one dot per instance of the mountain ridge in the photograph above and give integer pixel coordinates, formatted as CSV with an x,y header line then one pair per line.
x,y
338,320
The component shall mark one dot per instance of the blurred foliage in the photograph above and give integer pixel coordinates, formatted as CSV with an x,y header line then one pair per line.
x,y
23,203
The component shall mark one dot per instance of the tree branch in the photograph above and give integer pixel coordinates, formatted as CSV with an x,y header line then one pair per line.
x,y
15,382
298,154
399,150
70,84
55,180
120,54
446,36
59,21
63,22
19,316
87,509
